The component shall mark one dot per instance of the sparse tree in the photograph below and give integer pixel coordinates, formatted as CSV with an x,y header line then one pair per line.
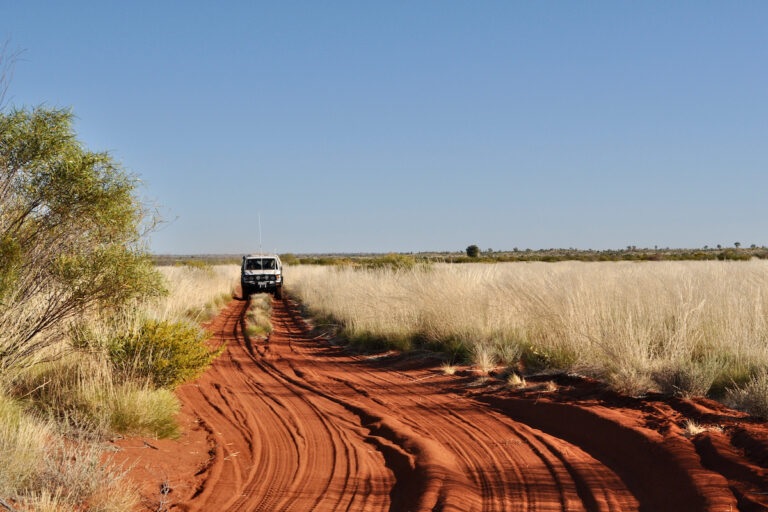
x,y
473,251
737,244
71,232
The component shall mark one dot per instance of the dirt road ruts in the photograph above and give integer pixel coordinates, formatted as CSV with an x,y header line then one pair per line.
x,y
297,423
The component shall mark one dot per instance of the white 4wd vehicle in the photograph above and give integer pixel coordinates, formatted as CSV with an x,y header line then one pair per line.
x,y
262,273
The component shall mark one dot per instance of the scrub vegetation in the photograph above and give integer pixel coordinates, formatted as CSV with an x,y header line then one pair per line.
x,y
106,377
93,337
258,318
683,328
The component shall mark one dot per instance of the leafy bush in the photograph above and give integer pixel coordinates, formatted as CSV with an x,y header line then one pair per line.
x,y
167,353
71,228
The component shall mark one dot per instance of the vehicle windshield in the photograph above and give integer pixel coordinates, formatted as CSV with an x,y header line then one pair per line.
x,y
260,264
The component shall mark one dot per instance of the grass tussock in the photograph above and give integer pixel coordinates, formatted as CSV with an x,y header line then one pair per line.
x,y
484,358
516,381
751,397
257,319
691,428
686,328
449,369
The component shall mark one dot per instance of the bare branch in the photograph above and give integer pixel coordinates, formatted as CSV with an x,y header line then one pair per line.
x,y
7,62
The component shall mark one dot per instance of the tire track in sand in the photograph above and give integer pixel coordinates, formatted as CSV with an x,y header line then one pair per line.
x,y
501,464
297,424
274,447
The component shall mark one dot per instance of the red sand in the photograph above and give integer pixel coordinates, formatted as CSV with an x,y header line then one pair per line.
x,y
296,423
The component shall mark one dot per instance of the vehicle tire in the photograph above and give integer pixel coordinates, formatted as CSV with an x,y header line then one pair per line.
x,y
279,292
245,290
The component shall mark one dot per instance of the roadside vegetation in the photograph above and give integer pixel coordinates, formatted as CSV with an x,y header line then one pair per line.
x,y
108,377
684,328
93,337
258,322
473,254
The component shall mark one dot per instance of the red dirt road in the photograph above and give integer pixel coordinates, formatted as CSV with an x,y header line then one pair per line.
x,y
296,423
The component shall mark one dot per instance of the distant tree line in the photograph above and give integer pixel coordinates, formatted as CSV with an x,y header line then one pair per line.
x,y
473,254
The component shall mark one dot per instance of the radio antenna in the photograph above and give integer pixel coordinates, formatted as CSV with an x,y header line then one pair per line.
x,y
259,232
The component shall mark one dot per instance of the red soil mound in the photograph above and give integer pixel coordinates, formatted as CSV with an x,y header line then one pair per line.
x,y
296,423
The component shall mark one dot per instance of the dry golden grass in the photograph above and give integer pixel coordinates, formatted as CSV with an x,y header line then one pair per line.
x,y
195,293
449,369
42,471
484,358
684,327
692,429
515,381
258,317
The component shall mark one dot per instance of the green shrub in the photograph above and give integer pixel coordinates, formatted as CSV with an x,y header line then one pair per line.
x,y
167,353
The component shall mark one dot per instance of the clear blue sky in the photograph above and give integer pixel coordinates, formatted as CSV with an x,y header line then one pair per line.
x,y
415,126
